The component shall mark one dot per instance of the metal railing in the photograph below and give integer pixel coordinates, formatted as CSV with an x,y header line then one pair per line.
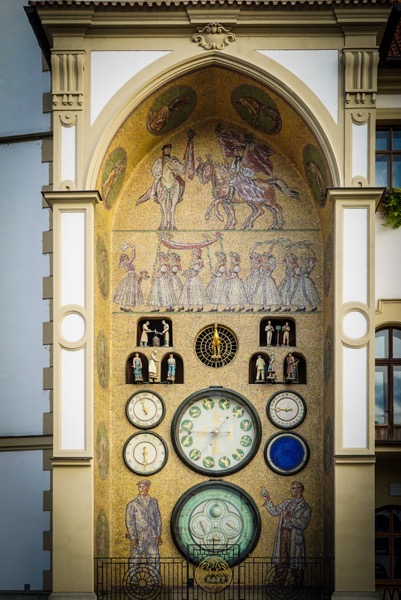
x,y
213,578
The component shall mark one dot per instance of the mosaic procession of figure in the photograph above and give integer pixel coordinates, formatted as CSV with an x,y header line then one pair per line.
x,y
222,287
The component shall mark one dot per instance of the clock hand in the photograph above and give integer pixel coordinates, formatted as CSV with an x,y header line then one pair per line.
x,y
144,454
144,407
216,431
283,409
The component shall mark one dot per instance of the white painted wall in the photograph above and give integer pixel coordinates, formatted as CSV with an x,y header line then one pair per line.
x,y
22,310
388,253
22,520
21,77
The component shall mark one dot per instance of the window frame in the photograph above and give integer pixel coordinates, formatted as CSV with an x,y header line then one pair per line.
x,y
390,535
390,152
389,432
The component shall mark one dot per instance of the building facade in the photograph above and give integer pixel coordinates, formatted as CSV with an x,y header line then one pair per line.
x,y
218,274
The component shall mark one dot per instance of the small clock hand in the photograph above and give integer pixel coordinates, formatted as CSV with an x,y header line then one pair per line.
x,y
144,454
144,407
283,409
216,431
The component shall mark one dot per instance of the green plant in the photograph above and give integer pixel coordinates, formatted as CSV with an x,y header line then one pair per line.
x,y
390,207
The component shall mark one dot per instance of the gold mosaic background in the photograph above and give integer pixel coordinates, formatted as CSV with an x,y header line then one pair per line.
x,y
121,222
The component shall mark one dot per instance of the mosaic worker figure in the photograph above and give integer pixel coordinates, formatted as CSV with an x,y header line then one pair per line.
x,y
144,525
289,544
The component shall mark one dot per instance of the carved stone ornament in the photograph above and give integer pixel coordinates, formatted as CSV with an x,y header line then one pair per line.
x,y
67,71
213,37
361,77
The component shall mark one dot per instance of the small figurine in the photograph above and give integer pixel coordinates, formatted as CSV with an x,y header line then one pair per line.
x,y
216,343
278,329
145,331
171,368
286,334
137,366
153,366
292,368
166,333
269,333
271,368
260,369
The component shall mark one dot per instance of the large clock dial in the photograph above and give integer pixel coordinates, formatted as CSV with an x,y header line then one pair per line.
x,y
145,409
216,431
215,517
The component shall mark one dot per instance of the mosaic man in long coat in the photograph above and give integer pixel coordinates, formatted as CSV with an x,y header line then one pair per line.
x,y
144,527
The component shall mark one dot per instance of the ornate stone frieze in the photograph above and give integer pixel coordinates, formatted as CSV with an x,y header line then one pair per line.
x,y
360,77
213,37
67,73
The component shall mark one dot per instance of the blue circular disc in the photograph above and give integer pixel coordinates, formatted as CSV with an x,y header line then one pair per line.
x,y
286,453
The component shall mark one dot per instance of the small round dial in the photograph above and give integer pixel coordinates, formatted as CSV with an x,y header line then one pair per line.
x,y
145,409
215,518
286,409
286,453
145,453
216,431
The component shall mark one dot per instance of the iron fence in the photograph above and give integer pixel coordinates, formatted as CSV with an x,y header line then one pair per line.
x,y
213,578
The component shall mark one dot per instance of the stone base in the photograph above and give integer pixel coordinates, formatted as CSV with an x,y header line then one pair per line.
x,y
355,596
72,596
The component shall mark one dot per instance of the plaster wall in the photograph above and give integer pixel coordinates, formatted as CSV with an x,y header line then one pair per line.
x,y
387,253
23,520
22,82
22,310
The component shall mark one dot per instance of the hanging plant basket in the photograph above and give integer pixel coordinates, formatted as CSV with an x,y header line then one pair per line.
x,y
390,207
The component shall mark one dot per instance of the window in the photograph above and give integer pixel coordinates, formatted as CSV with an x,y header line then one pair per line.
x,y
388,157
388,545
388,384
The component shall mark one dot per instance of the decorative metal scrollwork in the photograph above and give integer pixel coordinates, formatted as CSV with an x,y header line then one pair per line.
x,y
142,582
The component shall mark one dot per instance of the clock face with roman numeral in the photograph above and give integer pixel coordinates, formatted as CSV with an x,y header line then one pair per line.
x,y
216,431
145,409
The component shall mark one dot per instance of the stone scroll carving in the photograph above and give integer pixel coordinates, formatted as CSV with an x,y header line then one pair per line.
x,y
361,77
213,37
67,69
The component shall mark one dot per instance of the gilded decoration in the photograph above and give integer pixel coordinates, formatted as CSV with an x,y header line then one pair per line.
x,y
213,220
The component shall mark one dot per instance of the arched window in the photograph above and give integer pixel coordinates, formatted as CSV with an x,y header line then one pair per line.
x,y
388,384
388,545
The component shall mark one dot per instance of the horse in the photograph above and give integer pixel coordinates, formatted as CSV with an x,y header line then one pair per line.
x,y
167,189
218,174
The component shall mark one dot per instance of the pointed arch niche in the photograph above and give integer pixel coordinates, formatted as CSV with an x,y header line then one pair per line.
x,y
214,211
